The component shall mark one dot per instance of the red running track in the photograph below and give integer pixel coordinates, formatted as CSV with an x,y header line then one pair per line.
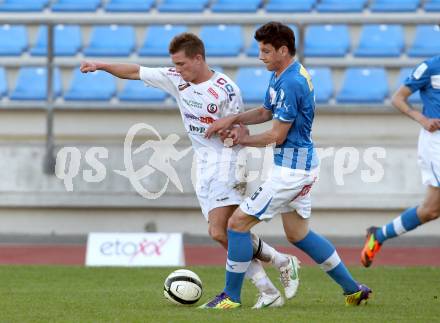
x,y
210,255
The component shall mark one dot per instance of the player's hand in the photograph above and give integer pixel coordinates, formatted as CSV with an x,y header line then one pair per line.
x,y
431,125
88,66
239,133
219,126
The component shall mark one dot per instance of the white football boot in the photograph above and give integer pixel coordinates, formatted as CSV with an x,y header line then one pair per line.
x,y
289,277
269,300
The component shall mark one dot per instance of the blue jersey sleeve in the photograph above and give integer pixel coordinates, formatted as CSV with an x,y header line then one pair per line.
x,y
267,100
287,102
418,78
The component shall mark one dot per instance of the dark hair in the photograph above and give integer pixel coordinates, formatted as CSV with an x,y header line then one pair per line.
x,y
189,43
277,35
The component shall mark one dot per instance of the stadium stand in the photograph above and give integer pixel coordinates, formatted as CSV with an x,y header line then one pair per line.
x,y
252,83
157,39
426,41
327,40
394,5
37,76
236,6
380,41
13,40
137,91
129,5
341,5
403,74
182,5
67,40
214,36
289,6
322,83
3,83
357,86
76,5
111,40
96,86
23,5
432,5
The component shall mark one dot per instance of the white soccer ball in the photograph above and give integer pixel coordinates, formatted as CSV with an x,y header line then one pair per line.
x,y
183,287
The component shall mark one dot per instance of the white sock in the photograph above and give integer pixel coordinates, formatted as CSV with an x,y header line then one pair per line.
x,y
258,277
267,253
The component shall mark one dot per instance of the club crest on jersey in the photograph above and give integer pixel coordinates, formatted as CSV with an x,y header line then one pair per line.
x,y
182,87
212,108
213,93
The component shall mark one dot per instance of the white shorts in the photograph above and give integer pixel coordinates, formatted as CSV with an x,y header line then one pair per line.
x,y
286,190
219,185
429,157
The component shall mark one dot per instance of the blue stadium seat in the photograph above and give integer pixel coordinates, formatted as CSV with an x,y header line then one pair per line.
x,y
426,41
253,49
322,83
13,40
67,41
380,41
214,37
236,6
32,84
76,5
341,5
157,39
290,6
327,40
253,83
394,5
111,40
129,5
3,83
96,86
432,5
23,5
403,74
358,86
182,5
137,91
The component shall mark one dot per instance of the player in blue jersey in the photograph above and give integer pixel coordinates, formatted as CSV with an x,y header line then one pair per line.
x,y
426,79
289,103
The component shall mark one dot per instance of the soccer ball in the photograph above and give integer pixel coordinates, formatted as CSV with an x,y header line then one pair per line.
x,y
182,287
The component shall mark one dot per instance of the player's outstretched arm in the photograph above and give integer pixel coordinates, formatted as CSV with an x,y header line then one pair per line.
x,y
254,116
400,102
123,71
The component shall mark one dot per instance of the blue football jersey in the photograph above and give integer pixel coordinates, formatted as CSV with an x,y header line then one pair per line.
x,y
426,79
290,97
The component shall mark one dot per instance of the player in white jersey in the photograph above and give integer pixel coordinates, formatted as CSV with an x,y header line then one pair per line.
x,y
426,79
203,96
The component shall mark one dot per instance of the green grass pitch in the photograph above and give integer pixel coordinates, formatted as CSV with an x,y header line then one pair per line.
x,y
79,294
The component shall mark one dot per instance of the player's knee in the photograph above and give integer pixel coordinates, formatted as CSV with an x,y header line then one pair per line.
x,y
430,213
218,235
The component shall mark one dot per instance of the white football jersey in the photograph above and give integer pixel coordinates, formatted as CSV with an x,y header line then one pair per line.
x,y
200,105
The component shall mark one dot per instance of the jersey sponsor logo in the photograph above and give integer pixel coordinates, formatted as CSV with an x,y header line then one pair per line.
x,y
212,108
207,120
172,71
182,87
192,103
190,116
198,93
222,199
228,87
199,130
213,93
204,119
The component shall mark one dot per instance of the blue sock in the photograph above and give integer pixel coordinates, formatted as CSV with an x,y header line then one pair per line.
x,y
407,221
239,257
324,253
